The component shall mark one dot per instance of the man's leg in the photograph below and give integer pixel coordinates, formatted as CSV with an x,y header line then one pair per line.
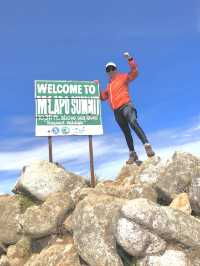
x,y
131,114
123,124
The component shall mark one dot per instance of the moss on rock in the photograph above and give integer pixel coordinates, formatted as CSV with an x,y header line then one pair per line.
x,y
25,202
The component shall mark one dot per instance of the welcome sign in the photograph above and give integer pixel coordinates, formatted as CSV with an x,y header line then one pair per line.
x,y
68,108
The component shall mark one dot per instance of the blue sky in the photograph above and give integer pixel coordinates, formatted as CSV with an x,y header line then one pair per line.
x,y
73,40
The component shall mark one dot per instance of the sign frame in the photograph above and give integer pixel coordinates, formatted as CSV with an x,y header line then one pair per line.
x,y
87,122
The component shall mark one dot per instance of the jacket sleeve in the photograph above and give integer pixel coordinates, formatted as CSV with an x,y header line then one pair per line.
x,y
134,70
104,94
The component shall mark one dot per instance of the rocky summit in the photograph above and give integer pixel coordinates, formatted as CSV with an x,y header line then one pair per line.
x,y
148,216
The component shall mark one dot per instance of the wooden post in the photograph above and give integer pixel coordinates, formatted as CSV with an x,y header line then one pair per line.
x,y
50,149
93,180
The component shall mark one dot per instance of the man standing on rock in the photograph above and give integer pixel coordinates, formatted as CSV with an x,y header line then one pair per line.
x,y
117,93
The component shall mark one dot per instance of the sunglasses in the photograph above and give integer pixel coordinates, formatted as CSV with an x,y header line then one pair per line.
x,y
110,68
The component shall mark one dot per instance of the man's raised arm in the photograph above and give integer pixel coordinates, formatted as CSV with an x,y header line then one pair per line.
x,y
134,70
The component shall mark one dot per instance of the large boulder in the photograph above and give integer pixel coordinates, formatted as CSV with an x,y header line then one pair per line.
x,y
136,240
174,255
94,226
169,178
61,253
176,176
146,172
39,179
43,220
170,224
10,210
171,256
132,191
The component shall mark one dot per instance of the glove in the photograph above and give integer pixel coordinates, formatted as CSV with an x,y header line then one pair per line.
x,y
127,56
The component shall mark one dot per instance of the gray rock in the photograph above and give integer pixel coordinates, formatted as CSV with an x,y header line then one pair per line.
x,y
170,257
142,190
84,192
169,178
61,253
40,221
94,224
133,191
166,222
136,240
176,175
10,209
146,172
41,178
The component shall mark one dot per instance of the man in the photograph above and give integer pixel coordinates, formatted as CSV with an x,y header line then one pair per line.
x,y
124,111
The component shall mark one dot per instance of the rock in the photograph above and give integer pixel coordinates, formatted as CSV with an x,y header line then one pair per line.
x,y
194,192
182,203
133,191
94,223
10,209
169,178
194,256
41,178
19,253
150,170
176,176
127,171
68,224
170,257
146,172
136,240
166,222
40,221
84,192
142,190
62,253
4,261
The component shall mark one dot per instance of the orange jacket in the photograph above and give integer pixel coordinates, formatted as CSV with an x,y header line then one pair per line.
x,y
117,89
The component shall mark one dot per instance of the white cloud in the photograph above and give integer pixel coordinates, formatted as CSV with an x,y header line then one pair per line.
x,y
110,151
75,151
195,128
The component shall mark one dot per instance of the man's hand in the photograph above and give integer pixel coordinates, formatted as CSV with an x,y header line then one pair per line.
x,y
127,55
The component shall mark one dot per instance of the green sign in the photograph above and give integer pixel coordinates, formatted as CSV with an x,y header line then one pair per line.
x,y
68,108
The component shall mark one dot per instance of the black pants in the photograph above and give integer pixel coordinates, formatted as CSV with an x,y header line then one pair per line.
x,y
125,116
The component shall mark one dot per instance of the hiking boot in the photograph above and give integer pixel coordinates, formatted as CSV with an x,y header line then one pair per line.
x,y
149,151
132,157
